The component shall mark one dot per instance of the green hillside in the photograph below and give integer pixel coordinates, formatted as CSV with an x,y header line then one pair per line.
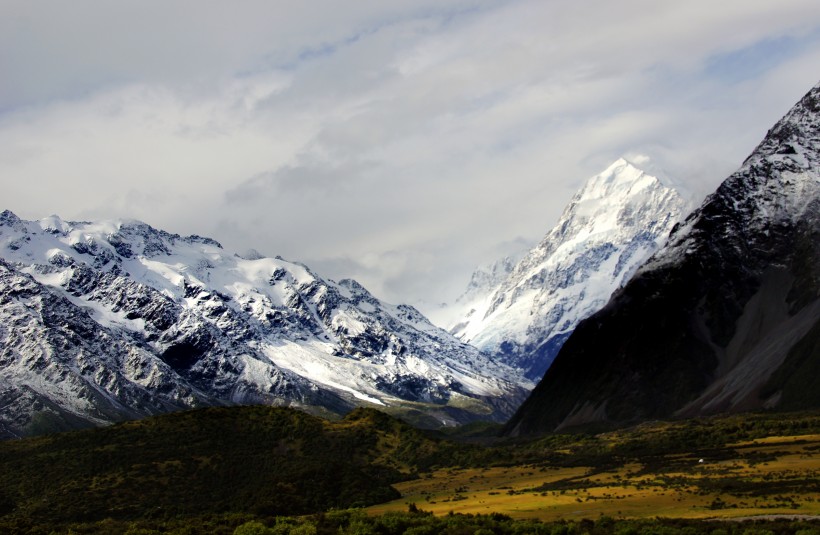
x,y
255,460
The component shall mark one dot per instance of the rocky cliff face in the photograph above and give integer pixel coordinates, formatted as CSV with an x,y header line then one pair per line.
x,y
726,317
610,227
111,320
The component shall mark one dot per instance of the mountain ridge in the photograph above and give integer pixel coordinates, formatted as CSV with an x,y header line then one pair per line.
x,y
202,326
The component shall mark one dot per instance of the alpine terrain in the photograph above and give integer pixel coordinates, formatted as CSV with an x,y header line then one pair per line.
x,y
113,320
724,318
612,225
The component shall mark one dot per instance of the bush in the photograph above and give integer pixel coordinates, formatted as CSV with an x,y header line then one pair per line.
x,y
252,528
359,527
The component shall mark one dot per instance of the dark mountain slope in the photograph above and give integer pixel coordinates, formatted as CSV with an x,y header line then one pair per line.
x,y
724,318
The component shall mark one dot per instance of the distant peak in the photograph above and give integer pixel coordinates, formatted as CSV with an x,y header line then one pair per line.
x,y
622,165
621,162
135,224
53,223
635,168
352,284
621,173
7,216
250,254
639,162
620,184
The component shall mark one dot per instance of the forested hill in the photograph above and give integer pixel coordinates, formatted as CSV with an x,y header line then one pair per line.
x,y
258,460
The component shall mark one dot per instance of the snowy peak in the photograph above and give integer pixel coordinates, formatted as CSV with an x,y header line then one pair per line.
x,y
621,184
620,176
617,219
795,136
616,199
618,205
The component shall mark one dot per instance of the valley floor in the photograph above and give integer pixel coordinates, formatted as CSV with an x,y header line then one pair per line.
x,y
770,476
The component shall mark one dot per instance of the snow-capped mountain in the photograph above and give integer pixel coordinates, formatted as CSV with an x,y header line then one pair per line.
x,y
612,225
110,320
726,317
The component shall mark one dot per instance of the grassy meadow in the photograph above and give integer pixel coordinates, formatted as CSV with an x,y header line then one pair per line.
x,y
776,475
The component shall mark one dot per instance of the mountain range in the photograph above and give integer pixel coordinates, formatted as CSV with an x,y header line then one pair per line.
x,y
724,318
111,320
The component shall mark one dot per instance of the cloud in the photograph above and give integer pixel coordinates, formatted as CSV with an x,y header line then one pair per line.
x,y
403,142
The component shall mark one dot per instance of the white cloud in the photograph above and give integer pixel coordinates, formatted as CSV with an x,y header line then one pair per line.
x,y
401,143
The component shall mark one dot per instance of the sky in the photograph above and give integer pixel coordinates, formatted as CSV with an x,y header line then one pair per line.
x,y
399,143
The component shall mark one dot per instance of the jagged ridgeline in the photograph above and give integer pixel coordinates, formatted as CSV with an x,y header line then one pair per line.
x,y
724,318
113,320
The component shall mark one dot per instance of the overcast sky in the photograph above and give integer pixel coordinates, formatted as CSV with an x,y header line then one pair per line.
x,y
400,143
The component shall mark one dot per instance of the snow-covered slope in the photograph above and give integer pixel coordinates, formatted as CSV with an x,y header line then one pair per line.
x,y
612,225
109,320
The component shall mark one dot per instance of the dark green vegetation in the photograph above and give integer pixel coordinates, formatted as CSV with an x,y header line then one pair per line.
x,y
251,460
695,437
213,470
419,522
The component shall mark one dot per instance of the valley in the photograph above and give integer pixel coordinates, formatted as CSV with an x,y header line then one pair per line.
x,y
216,470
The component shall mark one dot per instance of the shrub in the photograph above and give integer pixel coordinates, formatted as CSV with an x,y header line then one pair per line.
x,y
252,528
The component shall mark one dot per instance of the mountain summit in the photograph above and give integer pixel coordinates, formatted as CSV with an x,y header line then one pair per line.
x,y
611,226
116,319
726,317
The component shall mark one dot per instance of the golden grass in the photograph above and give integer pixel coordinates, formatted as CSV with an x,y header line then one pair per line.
x,y
691,490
